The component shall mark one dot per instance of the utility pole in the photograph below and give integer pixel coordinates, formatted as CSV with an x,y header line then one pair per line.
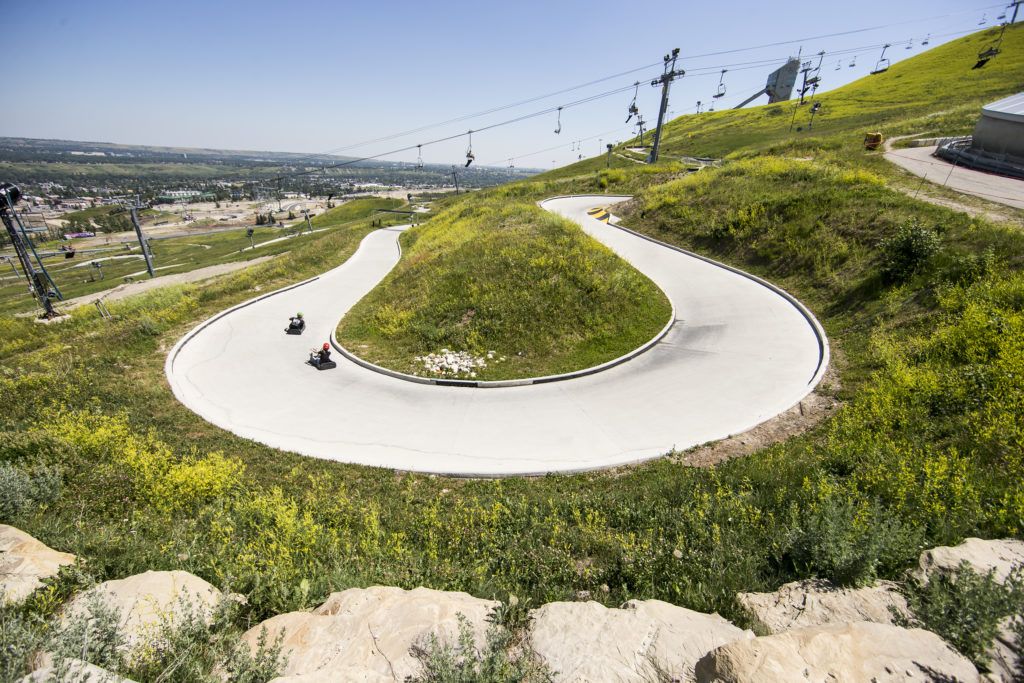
x,y
665,80
455,179
1016,6
133,211
309,226
640,124
37,281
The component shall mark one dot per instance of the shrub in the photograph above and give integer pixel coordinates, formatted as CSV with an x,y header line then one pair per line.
x,y
908,251
21,487
20,638
846,537
464,662
965,608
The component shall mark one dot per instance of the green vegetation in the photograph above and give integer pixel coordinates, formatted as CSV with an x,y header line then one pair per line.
x,y
356,209
76,277
490,275
966,609
191,647
935,92
924,306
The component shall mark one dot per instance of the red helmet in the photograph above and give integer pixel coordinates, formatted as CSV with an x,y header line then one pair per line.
x,y
326,346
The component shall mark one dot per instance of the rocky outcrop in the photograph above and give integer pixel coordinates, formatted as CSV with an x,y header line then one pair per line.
x,y
861,651
24,563
816,602
73,671
367,634
999,555
148,601
1003,654
585,641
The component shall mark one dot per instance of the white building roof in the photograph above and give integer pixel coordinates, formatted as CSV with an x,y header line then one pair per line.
x,y
1010,108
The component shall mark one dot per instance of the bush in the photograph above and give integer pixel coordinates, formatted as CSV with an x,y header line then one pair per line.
x,y
20,638
908,251
846,538
20,488
463,662
965,608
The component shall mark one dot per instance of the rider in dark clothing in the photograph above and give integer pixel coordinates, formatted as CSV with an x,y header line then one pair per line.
x,y
324,354
297,323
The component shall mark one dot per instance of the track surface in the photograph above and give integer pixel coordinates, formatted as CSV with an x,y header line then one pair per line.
x,y
739,354
995,188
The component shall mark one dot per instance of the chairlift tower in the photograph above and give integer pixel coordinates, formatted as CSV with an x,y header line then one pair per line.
x,y
670,73
39,281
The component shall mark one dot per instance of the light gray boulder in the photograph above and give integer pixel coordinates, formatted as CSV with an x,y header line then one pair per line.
x,y
73,671
586,641
25,562
816,602
148,602
1000,555
366,634
838,653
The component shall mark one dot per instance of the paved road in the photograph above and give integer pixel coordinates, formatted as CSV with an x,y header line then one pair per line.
x,y
995,188
739,354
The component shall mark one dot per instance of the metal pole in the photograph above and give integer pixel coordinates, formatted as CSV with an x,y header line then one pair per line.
x,y
35,279
1016,6
133,211
666,79
455,178
309,226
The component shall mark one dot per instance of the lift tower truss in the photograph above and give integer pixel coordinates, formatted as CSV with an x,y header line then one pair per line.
x,y
665,81
39,281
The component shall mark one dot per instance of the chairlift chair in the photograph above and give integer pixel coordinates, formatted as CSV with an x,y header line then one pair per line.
x,y
983,19
927,39
633,110
721,86
558,124
985,56
853,62
839,65
469,150
910,45
882,65
1001,16
419,157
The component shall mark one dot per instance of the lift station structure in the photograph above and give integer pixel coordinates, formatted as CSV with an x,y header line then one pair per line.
x,y
780,84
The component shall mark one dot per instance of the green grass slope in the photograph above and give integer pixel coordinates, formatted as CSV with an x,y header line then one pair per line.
x,y
508,278
936,91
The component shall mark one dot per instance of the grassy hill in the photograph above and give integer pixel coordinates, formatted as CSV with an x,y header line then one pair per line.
x,y
505,278
924,307
934,92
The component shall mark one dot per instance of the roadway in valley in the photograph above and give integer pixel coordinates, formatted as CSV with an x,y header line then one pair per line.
x,y
739,353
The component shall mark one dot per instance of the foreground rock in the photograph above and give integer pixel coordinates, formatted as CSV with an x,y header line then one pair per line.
x,y
856,652
24,563
149,601
1003,654
73,671
365,634
1000,555
585,641
816,602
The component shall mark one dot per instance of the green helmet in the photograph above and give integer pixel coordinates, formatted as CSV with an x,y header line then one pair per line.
x,y
299,314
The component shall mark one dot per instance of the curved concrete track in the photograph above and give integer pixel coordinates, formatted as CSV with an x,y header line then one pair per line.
x,y
739,353
995,188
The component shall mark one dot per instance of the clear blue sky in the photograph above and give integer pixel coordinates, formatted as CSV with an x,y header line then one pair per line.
x,y
316,76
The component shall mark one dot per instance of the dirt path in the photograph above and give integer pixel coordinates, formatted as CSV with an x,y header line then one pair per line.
x,y
132,288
